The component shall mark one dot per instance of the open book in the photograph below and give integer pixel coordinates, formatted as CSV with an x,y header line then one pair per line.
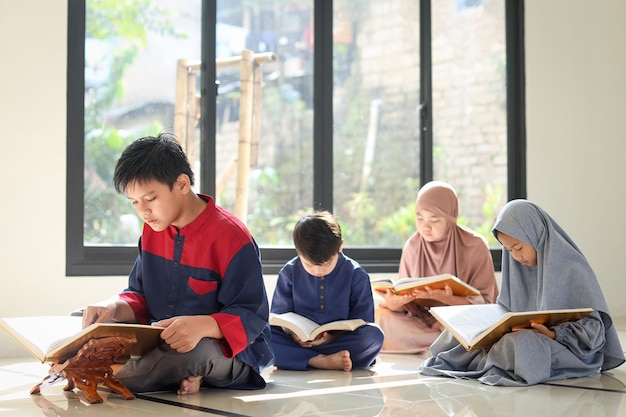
x,y
478,326
307,329
437,282
57,338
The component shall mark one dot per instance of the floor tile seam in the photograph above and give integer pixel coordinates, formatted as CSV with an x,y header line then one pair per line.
x,y
556,384
189,406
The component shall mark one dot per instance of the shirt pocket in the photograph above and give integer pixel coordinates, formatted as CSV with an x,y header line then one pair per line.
x,y
201,287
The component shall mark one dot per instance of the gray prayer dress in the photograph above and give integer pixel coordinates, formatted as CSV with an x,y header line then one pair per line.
x,y
561,279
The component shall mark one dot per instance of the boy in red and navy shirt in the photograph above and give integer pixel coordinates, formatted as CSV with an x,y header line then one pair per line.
x,y
198,274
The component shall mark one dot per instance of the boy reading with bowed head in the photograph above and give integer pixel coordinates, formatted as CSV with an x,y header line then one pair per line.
x,y
324,285
198,274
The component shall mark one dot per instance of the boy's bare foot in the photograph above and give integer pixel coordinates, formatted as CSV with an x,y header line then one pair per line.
x,y
189,385
340,360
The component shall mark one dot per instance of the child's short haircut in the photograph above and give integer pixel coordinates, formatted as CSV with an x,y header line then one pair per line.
x,y
151,158
317,237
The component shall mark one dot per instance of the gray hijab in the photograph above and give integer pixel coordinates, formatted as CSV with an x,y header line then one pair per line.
x,y
562,277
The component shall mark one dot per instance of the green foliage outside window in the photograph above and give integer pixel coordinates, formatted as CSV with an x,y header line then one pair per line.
x,y
125,25
110,219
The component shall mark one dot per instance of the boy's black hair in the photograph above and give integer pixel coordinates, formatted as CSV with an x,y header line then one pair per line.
x,y
317,237
151,158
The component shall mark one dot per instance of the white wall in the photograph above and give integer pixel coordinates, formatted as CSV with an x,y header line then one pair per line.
x,y
33,145
576,111
576,127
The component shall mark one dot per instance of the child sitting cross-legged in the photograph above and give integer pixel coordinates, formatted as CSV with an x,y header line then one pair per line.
x,y
324,285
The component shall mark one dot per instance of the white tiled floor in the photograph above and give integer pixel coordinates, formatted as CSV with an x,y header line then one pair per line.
x,y
392,387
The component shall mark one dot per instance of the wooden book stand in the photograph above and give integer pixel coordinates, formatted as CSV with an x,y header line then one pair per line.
x,y
92,366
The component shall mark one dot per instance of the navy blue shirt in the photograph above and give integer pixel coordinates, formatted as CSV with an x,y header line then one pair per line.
x,y
345,293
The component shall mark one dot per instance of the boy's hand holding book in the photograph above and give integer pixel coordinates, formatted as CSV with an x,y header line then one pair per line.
x,y
97,314
108,311
320,339
308,333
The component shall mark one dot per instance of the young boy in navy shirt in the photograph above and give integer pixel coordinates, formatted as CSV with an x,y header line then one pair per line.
x,y
324,285
198,274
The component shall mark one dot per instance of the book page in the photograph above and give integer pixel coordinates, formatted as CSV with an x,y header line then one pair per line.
x,y
147,336
478,326
382,283
302,326
437,283
307,329
348,325
407,282
56,338
468,321
522,319
36,334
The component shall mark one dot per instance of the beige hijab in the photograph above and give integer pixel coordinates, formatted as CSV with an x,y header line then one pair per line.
x,y
462,252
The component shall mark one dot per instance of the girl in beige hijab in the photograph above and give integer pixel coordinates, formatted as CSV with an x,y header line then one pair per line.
x,y
439,246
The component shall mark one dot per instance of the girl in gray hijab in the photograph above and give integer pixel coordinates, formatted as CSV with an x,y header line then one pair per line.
x,y
542,269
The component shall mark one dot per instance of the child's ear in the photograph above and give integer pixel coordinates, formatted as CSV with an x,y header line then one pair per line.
x,y
183,184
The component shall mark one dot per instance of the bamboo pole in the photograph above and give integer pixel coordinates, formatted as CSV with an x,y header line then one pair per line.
x,y
231,61
187,115
256,114
193,116
246,109
370,144
182,98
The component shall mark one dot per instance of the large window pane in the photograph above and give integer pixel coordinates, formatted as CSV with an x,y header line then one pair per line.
x,y
469,106
131,53
364,153
376,134
280,184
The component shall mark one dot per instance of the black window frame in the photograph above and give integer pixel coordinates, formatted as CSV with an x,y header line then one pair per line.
x,y
84,260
